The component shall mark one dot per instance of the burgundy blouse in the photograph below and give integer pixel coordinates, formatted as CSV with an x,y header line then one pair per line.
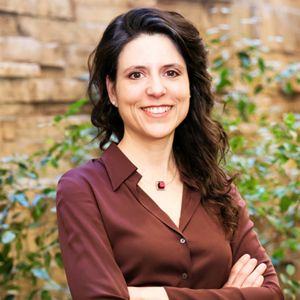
x,y
113,235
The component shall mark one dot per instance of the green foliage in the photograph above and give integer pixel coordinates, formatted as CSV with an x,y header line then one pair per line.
x,y
27,208
264,146
264,149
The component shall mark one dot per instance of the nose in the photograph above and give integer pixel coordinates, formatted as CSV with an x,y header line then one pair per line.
x,y
156,87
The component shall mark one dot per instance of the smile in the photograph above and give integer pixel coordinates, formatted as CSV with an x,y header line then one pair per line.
x,y
157,110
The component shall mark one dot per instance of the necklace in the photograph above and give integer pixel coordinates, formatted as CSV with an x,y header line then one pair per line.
x,y
160,184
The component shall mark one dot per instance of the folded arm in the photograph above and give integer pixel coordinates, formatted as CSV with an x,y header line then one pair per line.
x,y
245,282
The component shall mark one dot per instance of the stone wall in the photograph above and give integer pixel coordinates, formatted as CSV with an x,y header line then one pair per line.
x,y
44,46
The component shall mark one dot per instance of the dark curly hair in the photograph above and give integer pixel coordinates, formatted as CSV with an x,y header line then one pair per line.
x,y
200,142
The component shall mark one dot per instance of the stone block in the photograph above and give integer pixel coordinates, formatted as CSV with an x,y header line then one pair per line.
x,y
69,90
8,26
141,3
115,3
78,55
21,49
14,90
19,70
27,49
7,149
283,4
37,128
63,32
60,9
53,72
279,29
19,6
52,55
238,28
87,33
194,12
97,13
41,90
76,72
94,2
56,90
46,30
8,128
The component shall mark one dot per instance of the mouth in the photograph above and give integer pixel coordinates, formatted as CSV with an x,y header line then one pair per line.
x,y
157,109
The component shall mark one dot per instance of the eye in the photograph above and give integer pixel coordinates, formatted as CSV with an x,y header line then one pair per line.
x,y
136,75
172,73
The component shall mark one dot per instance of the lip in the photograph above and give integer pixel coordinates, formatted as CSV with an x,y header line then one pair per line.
x,y
157,115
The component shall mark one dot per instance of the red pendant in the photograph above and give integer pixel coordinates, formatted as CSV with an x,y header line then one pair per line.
x,y
160,185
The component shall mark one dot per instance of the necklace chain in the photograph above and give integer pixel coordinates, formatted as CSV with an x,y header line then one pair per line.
x,y
161,180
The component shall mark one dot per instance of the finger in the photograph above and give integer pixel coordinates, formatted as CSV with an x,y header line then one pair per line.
x,y
237,268
251,279
259,281
244,272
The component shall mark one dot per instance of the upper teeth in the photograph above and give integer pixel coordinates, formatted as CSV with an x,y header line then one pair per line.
x,y
157,110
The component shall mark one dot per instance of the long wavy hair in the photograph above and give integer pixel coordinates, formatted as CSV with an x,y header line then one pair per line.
x,y
200,142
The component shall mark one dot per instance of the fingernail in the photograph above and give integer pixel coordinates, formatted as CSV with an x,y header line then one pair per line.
x,y
246,257
262,266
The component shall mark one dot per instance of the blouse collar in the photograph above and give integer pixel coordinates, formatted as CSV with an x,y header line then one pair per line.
x,y
120,168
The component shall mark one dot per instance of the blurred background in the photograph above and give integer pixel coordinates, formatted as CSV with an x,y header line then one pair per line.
x,y
44,46
45,130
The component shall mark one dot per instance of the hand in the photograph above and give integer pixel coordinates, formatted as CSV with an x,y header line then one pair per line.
x,y
147,293
245,273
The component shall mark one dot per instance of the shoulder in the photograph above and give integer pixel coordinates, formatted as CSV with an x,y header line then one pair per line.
x,y
233,191
85,176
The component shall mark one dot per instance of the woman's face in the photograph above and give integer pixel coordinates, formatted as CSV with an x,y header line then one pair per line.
x,y
152,89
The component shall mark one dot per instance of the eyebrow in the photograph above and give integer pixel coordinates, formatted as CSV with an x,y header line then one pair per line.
x,y
178,66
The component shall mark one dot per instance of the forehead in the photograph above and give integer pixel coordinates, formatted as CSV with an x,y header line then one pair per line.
x,y
149,50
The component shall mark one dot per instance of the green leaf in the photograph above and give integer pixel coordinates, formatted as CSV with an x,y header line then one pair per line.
x,y
244,59
9,297
37,240
285,203
46,295
262,65
19,245
278,253
30,297
36,199
290,270
217,63
47,258
40,273
34,224
8,237
57,119
13,287
288,88
74,108
21,198
258,89
215,41
290,120
59,261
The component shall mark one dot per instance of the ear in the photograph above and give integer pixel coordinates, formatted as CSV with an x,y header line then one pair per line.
x,y
111,91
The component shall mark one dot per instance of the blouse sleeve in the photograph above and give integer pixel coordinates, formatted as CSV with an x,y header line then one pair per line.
x,y
91,270
245,241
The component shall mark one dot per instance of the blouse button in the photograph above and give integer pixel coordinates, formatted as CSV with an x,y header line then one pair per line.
x,y
182,241
184,276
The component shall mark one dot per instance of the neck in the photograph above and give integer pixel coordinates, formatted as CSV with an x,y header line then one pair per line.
x,y
154,159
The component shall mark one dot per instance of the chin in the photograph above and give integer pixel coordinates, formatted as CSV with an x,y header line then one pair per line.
x,y
160,135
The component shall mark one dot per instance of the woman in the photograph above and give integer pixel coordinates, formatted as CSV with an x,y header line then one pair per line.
x,y
156,217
